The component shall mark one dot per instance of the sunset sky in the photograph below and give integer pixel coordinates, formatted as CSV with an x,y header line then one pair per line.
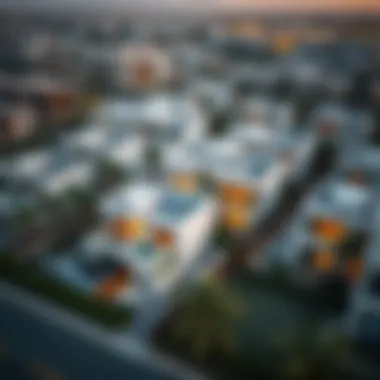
x,y
328,5
350,6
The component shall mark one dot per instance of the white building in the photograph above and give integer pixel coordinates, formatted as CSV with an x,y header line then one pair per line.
x,y
155,233
50,172
345,127
59,178
30,166
267,112
215,94
249,188
337,210
362,166
162,117
187,164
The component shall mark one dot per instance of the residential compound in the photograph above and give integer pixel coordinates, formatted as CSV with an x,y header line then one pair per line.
x,y
121,172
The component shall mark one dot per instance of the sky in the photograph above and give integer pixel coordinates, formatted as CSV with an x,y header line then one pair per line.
x,y
229,5
323,5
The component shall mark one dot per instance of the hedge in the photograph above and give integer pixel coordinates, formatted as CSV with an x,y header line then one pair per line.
x,y
330,295
31,278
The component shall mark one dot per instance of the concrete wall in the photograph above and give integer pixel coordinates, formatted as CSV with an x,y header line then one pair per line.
x,y
194,233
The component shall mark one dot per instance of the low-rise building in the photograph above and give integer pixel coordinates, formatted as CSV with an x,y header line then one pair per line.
x,y
345,127
249,188
155,233
50,173
143,67
329,234
160,117
17,122
188,166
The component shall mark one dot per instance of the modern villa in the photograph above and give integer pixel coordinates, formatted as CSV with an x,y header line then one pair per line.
x,y
330,232
152,235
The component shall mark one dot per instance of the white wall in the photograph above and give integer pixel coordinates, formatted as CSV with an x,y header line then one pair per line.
x,y
273,181
194,233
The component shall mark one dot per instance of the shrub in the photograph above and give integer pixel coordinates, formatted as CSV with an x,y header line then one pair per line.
x,y
31,278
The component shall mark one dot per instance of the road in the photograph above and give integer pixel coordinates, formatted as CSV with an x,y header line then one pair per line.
x,y
36,331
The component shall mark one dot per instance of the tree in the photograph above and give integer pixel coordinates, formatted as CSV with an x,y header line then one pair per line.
x,y
207,318
109,172
77,196
219,123
352,246
25,217
311,353
350,252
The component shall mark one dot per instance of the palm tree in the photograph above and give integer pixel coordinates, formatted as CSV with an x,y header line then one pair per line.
x,y
207,318
312,353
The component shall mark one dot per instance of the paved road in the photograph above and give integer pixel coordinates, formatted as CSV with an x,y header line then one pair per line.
x,y
38,332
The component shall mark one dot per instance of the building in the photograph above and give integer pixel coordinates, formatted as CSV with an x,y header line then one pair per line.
x,y
46,172
153,234
66,175
56,100
345,127
118,145
189,167
87,141
362,167
29,166
255,78
215,94
264,112
330,232
143,67
248,188
161,118
17,122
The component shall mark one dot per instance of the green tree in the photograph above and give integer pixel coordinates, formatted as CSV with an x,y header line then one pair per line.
x,y
352,246
219,123
25,217
77,196
311,353
109,172
207,319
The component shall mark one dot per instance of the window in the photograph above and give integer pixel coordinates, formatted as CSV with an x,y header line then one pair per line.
x,y
128,229
324,261
329,230
236,218
163,238
239,194
115,284
185,182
